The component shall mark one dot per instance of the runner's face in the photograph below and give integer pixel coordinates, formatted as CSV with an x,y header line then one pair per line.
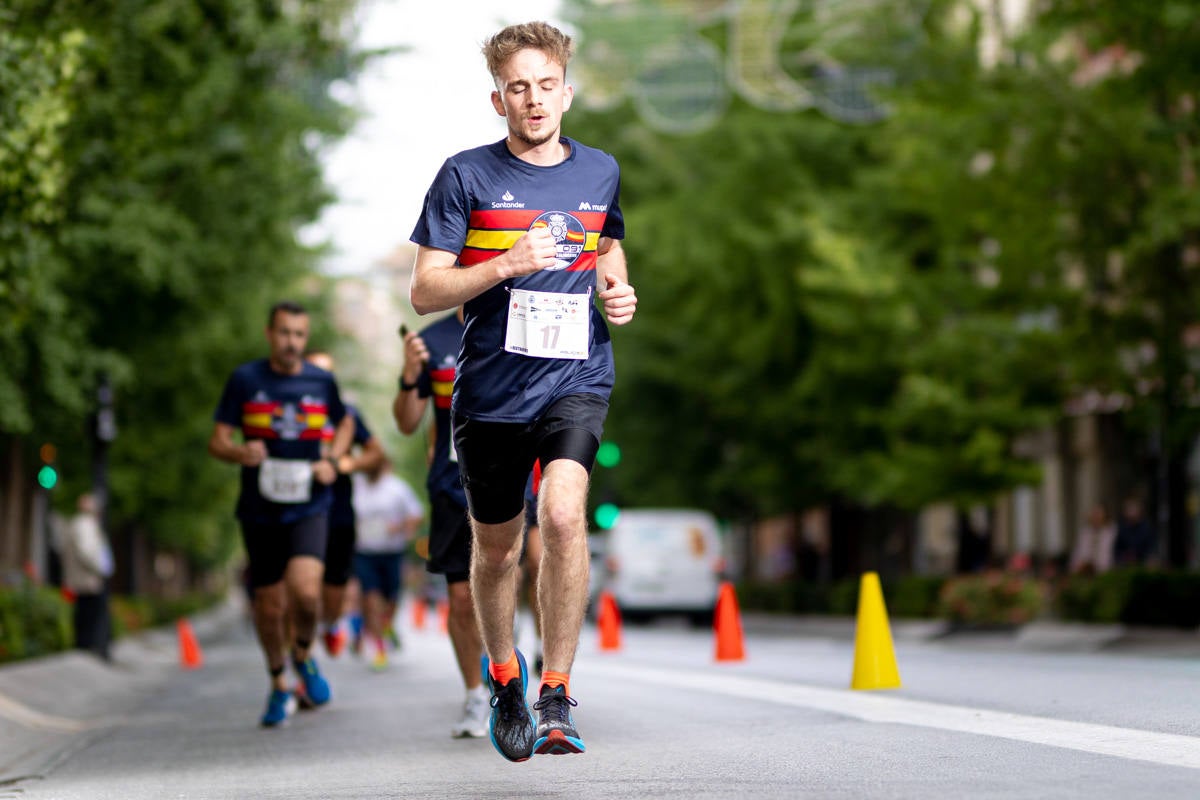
x,y
532,93
287,336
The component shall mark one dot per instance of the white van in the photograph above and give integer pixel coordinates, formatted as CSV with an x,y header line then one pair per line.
x,y
664,561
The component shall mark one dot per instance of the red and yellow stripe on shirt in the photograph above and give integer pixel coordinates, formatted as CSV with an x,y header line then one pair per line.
x,y
257,417
314,416
443,386
491,232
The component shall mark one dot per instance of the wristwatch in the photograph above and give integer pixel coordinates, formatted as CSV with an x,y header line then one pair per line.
x,y
407,387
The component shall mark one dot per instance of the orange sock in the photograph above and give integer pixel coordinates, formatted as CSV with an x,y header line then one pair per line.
x,y
556,679
503,673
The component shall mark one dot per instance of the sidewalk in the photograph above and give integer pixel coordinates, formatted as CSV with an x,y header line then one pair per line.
x,y
50,707
1041,635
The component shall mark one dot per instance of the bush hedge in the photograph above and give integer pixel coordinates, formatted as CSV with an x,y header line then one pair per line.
x,y
34,621
37,620
1162,598
910,596
992,598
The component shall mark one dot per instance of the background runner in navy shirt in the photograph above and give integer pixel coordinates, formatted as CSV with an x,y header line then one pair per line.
x,y
430,362
339,550
280,405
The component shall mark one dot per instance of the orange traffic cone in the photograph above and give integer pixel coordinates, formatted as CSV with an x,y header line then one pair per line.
x,y
608,620
727,623
443,608
190,656
418,613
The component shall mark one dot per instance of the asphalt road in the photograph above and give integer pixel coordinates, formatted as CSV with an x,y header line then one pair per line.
x,y
976,717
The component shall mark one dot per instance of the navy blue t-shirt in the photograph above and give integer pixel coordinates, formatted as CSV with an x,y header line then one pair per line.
x,y
288,413
443,340
342,511
481,202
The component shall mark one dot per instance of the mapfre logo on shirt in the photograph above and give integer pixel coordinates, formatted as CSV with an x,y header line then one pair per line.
x,y
569,237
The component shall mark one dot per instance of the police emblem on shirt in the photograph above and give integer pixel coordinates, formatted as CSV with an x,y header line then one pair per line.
x,y
569,237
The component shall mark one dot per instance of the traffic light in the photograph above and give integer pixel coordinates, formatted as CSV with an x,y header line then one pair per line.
x,y
47,476
609,454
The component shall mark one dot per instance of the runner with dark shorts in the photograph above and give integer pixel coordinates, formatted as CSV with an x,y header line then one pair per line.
x,y
524,233
339,550
430,361
281,404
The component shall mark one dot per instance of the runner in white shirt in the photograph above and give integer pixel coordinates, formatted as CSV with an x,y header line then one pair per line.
x,y
387,514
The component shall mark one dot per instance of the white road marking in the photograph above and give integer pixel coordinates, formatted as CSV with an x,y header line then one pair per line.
x,y
1159,748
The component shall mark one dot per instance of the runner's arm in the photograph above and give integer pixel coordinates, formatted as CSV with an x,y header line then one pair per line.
x,y
438,282
222,446
370,455
612,279
408,407
343,437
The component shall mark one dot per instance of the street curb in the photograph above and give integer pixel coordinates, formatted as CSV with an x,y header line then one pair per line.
x,y
54,706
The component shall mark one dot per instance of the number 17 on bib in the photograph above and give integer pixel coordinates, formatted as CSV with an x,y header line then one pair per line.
x,y
548,324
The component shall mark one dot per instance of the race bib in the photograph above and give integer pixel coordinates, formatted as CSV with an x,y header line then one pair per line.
x,y
548,324
283,480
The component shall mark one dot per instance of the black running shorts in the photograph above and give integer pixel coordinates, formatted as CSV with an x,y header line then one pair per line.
x,y
495,458
339,554
449,539
271,545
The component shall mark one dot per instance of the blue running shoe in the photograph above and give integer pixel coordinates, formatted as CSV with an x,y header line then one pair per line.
x,y
511,725
556,734
280,706
316,688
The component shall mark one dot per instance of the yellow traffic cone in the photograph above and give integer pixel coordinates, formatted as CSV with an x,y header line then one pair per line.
x,y
874,655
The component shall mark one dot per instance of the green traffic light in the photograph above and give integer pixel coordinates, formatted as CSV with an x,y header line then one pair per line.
x,y
607,515
47,477
609,454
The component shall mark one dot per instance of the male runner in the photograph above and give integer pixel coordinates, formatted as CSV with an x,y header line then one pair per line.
x,y
522,232
430,359
280,404
339,550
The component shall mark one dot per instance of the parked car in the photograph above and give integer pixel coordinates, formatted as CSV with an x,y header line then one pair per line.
x,y
664,561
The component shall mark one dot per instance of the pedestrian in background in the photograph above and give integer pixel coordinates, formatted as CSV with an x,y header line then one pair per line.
x,y
388,514
1136,540
1095,543
87,564
525,233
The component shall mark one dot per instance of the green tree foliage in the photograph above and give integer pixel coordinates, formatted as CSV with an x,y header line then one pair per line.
x,y
186,162
807,330
1067,171
38,354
